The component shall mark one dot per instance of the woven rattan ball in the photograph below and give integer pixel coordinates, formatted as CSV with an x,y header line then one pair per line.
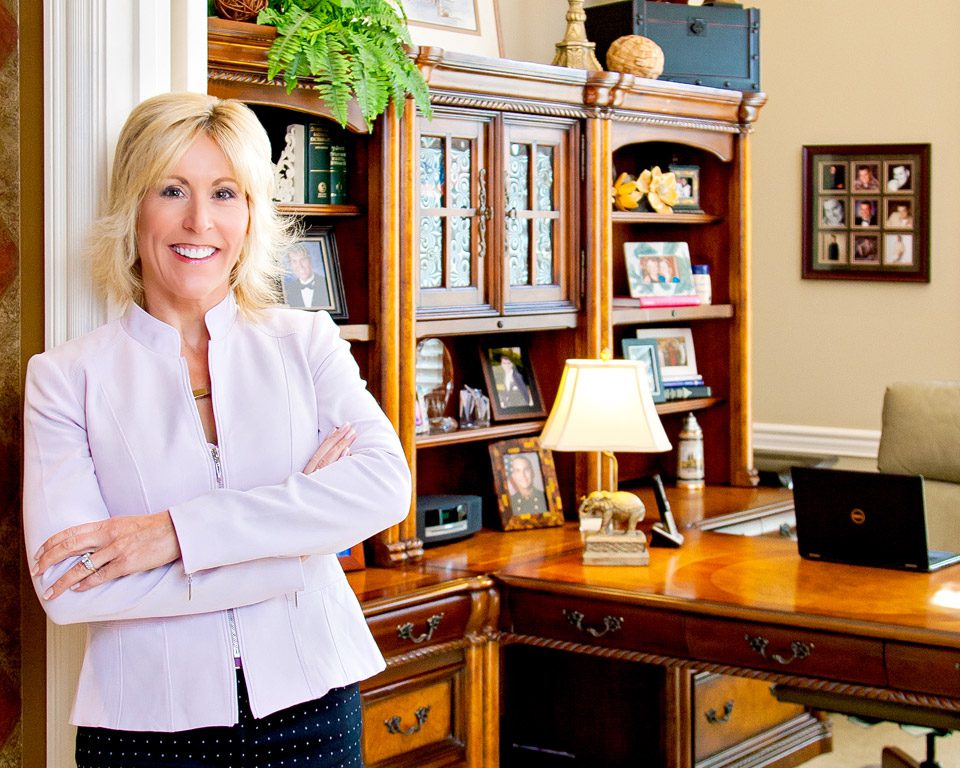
x,y
239,10
635,55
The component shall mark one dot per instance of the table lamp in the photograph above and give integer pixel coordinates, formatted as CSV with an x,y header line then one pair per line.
x,y
605,405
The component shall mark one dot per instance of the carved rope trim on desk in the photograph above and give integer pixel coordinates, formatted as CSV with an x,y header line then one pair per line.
x,y
809,683
440,648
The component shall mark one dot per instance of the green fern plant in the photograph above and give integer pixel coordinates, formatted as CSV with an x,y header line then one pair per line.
x,y
353,49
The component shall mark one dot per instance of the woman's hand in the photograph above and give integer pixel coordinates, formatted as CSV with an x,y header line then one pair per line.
x,y
123,545
114,547
335,446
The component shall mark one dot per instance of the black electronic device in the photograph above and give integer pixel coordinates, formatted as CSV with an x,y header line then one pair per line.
x,y
665,533
445,518
864,518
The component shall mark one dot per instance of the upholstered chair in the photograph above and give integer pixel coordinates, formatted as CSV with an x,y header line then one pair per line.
x,y
920,435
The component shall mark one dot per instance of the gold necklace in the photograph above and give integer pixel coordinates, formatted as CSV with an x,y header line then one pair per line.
x,y
202,392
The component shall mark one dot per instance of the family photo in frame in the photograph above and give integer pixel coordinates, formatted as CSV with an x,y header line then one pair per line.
x,y
525,482
659,269
865,212
312,277
677,356
688,188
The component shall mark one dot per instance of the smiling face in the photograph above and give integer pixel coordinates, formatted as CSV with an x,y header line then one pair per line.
x,y
521,474
190,231
300,264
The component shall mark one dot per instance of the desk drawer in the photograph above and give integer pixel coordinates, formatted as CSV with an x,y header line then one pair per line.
x,y
407,629
416,719
728,710
595,622
787,650
916,668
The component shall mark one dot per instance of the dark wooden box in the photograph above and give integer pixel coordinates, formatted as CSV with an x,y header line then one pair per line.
x,y
715,45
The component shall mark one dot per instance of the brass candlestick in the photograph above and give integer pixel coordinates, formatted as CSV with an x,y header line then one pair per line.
x,y
575,50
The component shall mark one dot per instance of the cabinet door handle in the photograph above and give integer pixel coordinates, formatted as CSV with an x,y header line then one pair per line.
x,y
483,214
405,631
714,719
611,624
798,649
393,723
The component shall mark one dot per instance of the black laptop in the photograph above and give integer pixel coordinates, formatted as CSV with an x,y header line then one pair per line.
x,y
864,518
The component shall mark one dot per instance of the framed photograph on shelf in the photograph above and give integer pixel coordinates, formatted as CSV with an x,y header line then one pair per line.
x,y
312,277
678,359
466,26
352,559
511,383
646,351
688,188
866,212
525,482
660,273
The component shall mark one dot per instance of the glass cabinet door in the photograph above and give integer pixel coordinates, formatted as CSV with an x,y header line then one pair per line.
x,y
453,217
540,164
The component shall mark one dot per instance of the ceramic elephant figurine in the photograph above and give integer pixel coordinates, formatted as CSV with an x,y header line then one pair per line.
x,y
614,508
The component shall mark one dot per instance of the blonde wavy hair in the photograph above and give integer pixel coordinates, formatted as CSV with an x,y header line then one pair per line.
x,y
155,136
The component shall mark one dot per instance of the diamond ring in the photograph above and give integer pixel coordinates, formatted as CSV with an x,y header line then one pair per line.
x,y
87,562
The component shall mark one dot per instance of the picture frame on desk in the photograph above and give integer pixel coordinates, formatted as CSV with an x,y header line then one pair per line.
x,y
511,383
466,26
525,483
645,350
678,358
866,212
313,261
352,559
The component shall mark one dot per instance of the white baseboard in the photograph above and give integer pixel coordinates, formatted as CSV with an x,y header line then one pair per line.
x,y
797,439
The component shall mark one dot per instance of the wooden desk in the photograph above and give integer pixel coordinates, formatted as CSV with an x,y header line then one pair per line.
x,y
751,607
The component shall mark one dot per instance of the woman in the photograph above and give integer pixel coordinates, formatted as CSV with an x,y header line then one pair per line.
x,y
192,469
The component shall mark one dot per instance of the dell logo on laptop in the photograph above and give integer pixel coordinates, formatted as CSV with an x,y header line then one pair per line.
x,y
858,516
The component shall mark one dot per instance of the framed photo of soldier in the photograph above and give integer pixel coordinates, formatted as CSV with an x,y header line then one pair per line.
x,y
866,210
525,483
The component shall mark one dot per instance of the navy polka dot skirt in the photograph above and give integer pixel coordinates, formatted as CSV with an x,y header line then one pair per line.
x,y
319,734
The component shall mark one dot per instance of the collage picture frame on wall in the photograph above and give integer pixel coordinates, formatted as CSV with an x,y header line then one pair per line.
x,y
866,212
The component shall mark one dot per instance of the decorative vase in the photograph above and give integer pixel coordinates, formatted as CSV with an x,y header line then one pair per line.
x,y
635,55
239,10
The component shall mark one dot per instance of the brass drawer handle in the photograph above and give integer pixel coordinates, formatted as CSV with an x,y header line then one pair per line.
x,y
798,649
713,718
405,631
393,723
611,624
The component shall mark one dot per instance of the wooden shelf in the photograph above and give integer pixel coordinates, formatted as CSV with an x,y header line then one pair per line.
x,y
629,217
319,210
629,316
358,332
683,406
484,433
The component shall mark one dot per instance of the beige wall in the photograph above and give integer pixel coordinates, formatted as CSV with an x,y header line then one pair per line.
x,y
849,72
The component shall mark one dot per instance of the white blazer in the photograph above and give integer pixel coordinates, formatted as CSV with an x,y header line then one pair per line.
x,y
111,428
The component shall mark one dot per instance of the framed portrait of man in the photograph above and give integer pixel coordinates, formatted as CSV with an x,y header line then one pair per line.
x,y
525,481
312,277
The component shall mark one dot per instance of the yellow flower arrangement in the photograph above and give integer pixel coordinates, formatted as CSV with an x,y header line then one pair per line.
x,y
660,189
626,193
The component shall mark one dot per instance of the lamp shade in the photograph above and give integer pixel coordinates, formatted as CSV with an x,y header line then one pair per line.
x,y
604,405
